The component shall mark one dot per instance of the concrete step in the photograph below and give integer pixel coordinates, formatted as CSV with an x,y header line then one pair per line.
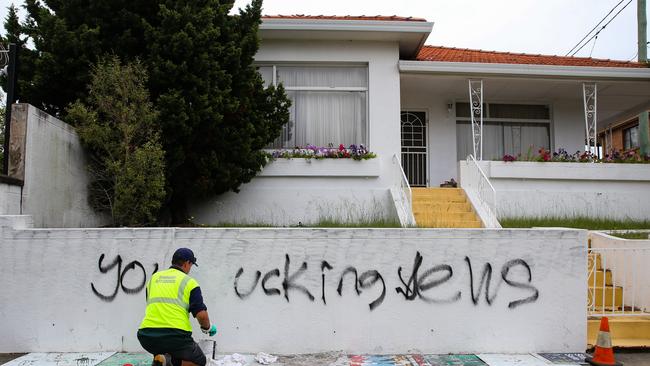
x,y
595,259
448,224
625,331
613,296
439,199
442,206
420,191
600,276
449,215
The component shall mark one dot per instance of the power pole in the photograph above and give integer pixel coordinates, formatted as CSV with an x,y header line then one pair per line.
x,y
644,135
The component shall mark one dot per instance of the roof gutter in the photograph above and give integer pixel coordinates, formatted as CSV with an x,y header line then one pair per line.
x,y
519,70
345,25
412,33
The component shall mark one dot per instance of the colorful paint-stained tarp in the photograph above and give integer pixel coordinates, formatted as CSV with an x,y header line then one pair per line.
x,y
494,359
135,359
564,358
416,360
60,359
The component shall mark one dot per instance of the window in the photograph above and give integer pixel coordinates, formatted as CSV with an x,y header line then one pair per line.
x,y
631,138
507,129
329,104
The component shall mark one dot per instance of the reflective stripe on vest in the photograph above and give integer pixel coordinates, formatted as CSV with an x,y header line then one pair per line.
x,y
168,295
178,300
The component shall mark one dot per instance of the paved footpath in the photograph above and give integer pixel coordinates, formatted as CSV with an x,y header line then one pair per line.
x,y
324,359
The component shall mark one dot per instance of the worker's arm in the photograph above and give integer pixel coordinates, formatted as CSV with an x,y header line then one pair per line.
x,y
204,319
200,312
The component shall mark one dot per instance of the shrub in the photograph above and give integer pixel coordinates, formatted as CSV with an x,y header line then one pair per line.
x,y
117,125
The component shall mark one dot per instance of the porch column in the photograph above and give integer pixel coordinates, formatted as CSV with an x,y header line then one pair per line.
x,y
476,112
590,93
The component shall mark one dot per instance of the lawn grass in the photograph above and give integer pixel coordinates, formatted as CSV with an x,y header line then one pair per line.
x,y
631,235
325,223
574,222
328,223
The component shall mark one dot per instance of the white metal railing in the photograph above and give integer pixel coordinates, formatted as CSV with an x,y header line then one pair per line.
x,y
403,195
618,282
478,186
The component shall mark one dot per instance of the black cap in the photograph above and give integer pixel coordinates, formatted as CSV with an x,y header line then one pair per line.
x,y
184,254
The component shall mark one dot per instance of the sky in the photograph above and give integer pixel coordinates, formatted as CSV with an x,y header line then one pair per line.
x,y
550,27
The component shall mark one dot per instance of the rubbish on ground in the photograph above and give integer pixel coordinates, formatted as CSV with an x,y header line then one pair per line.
x,y
230,360
265,358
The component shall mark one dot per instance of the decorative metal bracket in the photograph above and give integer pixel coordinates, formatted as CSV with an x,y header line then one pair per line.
x,y
590,96
476,112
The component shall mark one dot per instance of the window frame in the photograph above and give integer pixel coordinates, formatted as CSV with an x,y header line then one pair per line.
x,y
627,131
366,89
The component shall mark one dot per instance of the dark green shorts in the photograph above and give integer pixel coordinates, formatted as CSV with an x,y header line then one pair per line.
x,y
175,342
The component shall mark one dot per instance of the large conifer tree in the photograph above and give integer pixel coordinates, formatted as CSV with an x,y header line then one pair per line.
x,y
215,113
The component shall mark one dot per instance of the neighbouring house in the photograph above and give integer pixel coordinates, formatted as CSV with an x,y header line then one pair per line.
x,y
620,135
371,80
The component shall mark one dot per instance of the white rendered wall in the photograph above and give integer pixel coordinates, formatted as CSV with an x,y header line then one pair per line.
x,y
56,297
9,199
340,194
532,189
54,190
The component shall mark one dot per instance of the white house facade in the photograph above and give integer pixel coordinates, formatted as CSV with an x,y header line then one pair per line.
x,y
372,81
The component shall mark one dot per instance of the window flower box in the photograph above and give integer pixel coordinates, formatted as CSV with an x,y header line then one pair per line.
x,y
301,167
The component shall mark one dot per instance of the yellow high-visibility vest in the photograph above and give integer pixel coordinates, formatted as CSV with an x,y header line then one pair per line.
x,y
168,300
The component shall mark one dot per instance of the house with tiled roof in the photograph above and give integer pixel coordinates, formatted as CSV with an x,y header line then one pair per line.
x,y
431,115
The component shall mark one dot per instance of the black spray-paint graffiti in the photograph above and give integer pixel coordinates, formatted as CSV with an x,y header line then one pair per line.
x,y
412,288
120,274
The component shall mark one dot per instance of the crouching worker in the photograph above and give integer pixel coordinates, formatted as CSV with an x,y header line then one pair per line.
x,y
166,331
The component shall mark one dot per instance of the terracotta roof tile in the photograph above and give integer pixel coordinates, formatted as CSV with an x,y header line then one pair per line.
x,y
347,17
434,53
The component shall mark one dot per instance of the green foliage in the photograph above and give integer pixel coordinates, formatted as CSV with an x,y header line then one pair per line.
x,y
631,235
68,37
215,113
588,223
117,124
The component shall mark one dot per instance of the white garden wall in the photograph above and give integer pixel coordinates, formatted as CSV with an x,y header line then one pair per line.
x,y
536,189
47,155
277,290
287,193
10,193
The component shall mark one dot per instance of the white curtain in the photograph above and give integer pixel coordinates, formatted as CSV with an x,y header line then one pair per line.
x,y
492,141
519,139
322,76
325,118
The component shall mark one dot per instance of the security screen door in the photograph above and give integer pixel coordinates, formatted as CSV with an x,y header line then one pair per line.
x,y
414,147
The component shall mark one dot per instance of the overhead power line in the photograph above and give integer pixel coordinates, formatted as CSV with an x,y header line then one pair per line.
x,y
580,45
596,26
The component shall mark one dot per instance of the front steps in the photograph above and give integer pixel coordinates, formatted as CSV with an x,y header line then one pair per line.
x,y
443,208
626,331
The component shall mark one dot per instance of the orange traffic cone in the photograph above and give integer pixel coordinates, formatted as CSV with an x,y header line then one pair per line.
x,y
604,354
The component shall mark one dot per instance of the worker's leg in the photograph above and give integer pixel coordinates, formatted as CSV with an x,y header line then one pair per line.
x,y
189,353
